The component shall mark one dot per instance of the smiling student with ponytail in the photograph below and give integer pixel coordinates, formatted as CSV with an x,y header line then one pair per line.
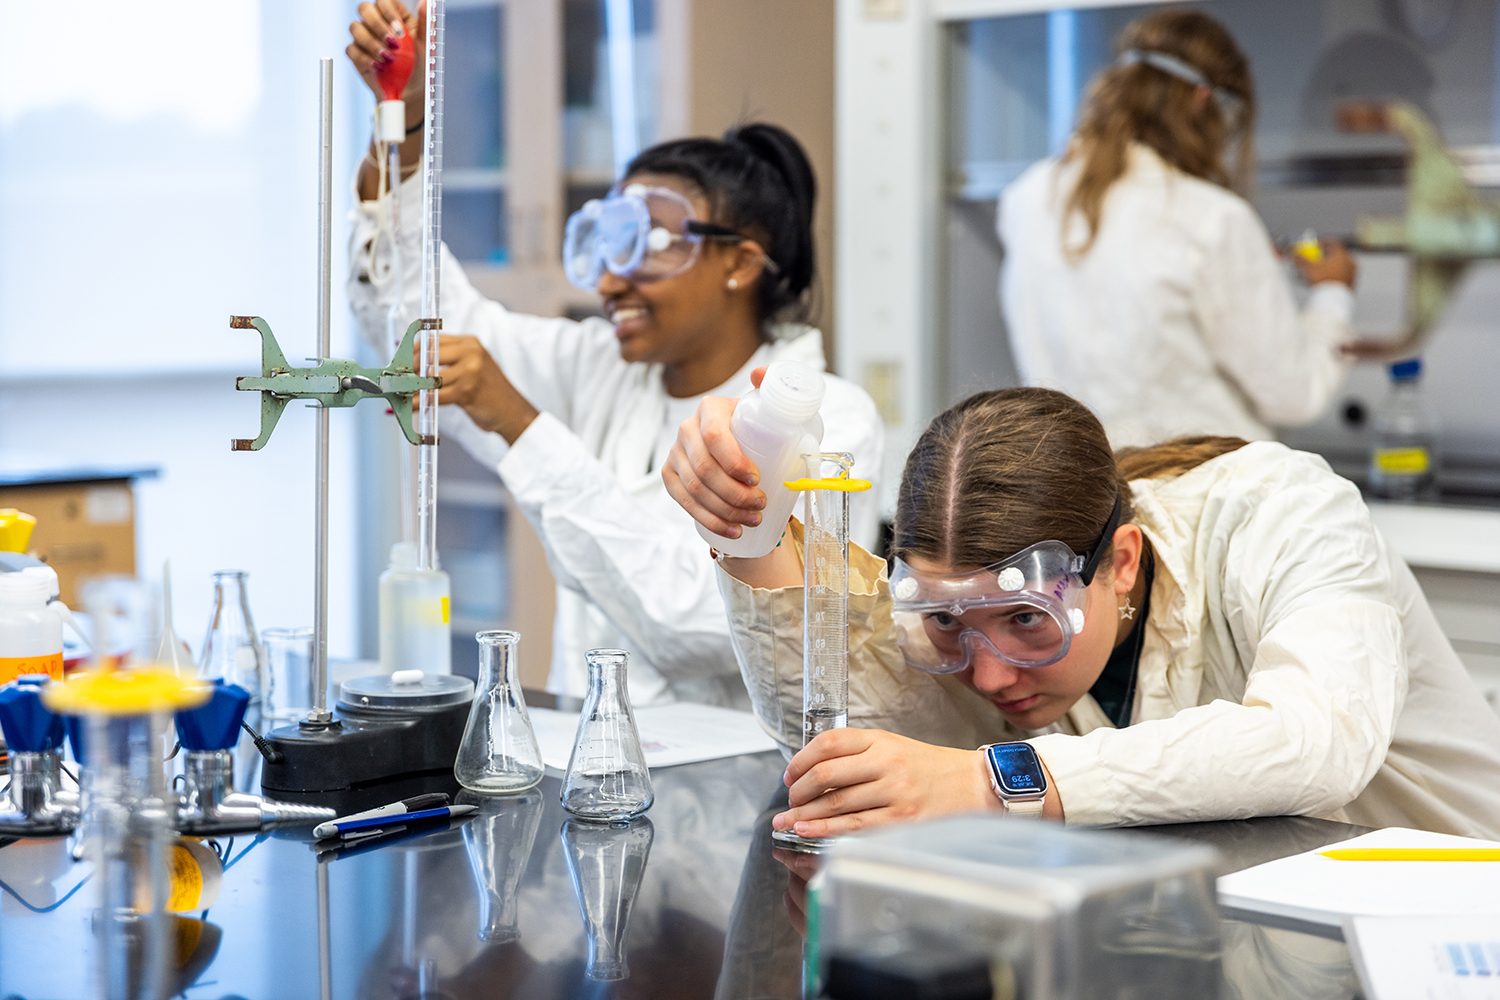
x,y
1204,629
577,417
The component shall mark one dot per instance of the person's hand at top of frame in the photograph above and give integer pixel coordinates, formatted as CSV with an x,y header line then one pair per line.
x,y
374,35
848,780
708,474
1337,264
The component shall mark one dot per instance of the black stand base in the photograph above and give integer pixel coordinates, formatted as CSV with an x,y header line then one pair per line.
x,y
370,759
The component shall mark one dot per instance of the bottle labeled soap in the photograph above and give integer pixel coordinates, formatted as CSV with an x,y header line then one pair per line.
x,y
775,426
30,632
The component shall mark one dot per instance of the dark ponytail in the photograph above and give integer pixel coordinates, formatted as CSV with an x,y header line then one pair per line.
x,y
757,180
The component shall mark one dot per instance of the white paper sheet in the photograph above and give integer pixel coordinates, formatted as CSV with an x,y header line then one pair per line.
x,y
1441,958
1320,890
670,734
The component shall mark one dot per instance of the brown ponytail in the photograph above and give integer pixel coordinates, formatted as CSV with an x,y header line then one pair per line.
x,y
1140,103
1006,469
1172,458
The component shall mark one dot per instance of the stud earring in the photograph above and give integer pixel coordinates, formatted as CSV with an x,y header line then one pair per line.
x,y
1128,611
733,284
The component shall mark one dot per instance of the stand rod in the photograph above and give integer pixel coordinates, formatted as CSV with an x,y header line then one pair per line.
x,y
319,714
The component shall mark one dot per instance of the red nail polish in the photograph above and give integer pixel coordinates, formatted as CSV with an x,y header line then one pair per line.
x,y
392,42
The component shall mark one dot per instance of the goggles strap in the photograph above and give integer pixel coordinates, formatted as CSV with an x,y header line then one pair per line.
x,y
1106,537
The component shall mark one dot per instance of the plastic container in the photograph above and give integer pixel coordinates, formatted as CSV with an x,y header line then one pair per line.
x,y
1046,910
1404,459
775,426
414,633
30,632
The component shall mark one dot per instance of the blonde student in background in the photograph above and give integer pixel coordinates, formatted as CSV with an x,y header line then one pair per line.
x,y
1205,629
1138,279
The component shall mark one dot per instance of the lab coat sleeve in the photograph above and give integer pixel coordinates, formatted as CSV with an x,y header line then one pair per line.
x,y
1287,364
884,693
545,359
650,574
1326,682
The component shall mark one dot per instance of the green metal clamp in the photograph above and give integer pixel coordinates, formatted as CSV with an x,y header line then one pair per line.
x,y
333,382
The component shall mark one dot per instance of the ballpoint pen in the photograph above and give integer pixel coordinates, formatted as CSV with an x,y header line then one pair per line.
x,y
359,827
410,805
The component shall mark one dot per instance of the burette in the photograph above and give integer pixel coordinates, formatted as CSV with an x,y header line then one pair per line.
x,y
427,353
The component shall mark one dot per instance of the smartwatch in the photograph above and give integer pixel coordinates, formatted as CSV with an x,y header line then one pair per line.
x,y
1017,777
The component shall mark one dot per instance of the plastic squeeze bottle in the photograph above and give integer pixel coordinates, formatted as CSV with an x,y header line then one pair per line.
x,y
775,426
414,630
30,631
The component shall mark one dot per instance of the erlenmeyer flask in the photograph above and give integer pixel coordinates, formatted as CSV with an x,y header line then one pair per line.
x,y
499,839
606,864
231,649
607,780
499,752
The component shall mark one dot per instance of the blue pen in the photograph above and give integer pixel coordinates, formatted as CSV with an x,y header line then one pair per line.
x,y
344,827
431,800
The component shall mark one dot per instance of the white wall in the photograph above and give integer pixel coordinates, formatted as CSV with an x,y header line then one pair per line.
x,y
136,218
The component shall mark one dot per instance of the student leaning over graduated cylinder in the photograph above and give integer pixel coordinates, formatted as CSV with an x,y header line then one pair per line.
x,y
1201,630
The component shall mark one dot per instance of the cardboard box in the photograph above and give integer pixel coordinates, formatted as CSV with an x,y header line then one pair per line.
x,y
83,529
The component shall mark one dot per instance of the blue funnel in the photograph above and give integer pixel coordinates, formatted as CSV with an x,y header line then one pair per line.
x,y
28,725
214,725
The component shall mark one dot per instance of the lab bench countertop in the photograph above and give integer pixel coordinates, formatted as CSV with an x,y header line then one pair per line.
x,y
1441,536
500,906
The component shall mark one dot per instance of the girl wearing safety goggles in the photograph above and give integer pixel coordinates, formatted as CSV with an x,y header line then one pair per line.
x,y
702,258
1205,629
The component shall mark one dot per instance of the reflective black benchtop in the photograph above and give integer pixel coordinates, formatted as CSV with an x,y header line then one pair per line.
x,y
494,907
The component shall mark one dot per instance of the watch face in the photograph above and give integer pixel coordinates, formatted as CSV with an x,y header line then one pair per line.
x,y
1018,768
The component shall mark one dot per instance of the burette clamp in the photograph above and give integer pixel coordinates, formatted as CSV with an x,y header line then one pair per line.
x,y
333,382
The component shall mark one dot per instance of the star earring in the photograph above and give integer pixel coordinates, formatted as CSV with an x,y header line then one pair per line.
x,y
1128,611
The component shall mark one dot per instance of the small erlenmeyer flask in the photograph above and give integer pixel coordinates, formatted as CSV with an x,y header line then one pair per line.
x,y
607,780
606,864
499,752
499,839
231,649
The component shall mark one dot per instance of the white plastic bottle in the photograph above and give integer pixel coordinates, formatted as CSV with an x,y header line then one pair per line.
x,y
30,632
1404,461
414,630
775,426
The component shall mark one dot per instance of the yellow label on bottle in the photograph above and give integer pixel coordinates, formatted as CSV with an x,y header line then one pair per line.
x,y
1402,461
445,610
12,667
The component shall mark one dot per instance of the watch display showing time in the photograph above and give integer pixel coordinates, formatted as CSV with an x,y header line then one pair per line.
x,y
1017,769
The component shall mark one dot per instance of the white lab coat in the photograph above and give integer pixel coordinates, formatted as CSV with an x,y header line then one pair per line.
x,y
1290,666
631,571
1179,320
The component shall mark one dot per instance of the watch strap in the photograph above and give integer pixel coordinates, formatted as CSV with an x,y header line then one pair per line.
x,y
1023,807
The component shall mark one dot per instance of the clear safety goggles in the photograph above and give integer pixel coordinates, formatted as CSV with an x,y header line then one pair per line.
x,y
641,233
1231,105
1025,610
